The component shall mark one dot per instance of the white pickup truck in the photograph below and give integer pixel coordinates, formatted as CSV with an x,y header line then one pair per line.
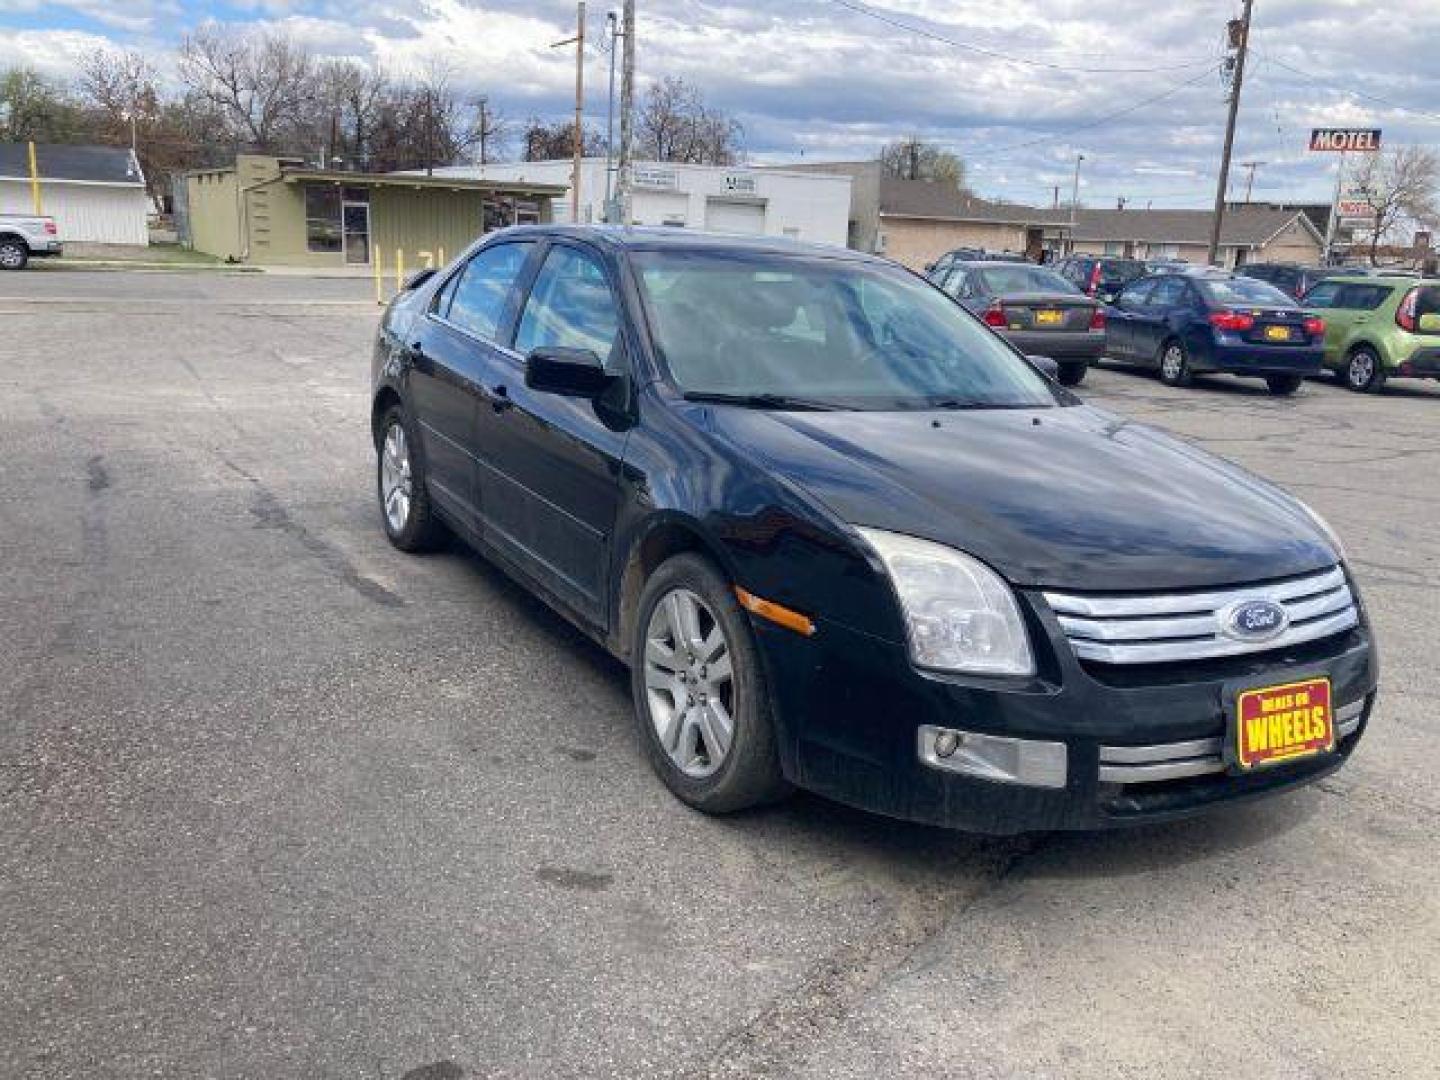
x,y
23,237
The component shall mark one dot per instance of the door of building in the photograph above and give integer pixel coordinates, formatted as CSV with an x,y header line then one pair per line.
x,y
355,217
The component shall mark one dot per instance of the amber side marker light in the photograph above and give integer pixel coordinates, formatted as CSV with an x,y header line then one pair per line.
x,y
776,613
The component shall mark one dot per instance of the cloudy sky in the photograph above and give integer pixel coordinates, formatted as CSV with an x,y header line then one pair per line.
x,y
1019,88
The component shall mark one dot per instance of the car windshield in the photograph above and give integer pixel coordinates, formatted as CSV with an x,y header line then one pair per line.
x,y
836,332
999,280
1241,290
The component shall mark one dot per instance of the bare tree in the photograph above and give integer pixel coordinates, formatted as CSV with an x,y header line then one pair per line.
x,y
34,107
350,96
552,142
675,124
261,82
1400,188
912,158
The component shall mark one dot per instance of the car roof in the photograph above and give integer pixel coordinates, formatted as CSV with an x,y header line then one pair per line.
x,y
1373,279
671,238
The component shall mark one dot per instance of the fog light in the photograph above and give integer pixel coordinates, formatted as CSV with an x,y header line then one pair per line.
x,y
1029,762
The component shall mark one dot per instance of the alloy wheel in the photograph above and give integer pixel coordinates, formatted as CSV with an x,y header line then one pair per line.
x,y
1172,364
11,257
1361,371
689,683
395,481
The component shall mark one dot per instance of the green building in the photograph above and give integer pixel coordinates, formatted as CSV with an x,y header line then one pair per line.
x,y
280,212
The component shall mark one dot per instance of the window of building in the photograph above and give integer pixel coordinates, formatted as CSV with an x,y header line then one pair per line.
x,y
475,301
322,219
570,306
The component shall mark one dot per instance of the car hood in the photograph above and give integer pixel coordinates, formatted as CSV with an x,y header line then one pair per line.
x,y
1068,497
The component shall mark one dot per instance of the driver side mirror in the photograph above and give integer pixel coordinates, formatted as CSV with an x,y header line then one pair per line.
x,y
1048,367
554,369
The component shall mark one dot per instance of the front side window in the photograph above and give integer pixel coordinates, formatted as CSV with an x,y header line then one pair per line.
x,y
475,299
842,333
1323,295
322,219
571,306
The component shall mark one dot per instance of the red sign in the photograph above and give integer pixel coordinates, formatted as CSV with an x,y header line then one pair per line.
x,y
1280,723
1345,140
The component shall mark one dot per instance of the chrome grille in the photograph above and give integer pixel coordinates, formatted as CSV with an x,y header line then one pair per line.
x,y
1196,757
1124,628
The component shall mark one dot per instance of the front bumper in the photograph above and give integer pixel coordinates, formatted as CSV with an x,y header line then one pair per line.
x,y
851,708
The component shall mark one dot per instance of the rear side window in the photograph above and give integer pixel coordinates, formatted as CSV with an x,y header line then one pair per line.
x,y
1362,297
475,299
571,306
1169,292
1137,295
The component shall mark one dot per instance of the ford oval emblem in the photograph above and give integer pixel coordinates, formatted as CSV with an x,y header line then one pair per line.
x,y
1254,620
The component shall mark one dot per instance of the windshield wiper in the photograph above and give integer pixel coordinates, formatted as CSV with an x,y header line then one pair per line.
x,y
761,401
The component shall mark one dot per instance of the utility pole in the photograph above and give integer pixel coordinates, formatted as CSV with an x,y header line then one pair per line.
x,y
1240,41
1075,199
578,143
612,30
627,105
1251,166
484,125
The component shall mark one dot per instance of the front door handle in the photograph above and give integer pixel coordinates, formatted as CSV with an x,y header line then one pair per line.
x,y
500,398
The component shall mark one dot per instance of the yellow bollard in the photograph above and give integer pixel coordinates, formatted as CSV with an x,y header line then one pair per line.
x,y
377,257
399,270
441,262
429,257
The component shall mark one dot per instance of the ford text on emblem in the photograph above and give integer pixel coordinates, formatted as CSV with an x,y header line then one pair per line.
x,y
1254,620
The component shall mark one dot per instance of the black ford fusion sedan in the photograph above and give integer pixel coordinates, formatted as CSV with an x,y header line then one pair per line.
x,y
847,538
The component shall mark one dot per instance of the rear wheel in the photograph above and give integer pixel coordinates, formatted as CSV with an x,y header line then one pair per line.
x,y
701,701
1283,385
1072,373
13,254
410,523
1174,364
1363,371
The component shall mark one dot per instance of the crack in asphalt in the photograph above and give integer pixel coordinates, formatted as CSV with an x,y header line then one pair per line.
x,y
771,1041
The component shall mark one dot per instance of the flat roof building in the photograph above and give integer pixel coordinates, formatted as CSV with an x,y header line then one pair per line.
x,y
281,212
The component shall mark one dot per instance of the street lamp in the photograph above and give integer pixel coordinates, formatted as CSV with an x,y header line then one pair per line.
x,y
1075,200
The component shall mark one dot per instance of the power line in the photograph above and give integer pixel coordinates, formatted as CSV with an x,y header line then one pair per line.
x,y
1099,120
980,50
1348,89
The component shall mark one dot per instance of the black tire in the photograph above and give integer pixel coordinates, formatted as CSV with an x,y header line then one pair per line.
x,y
1072,373
13,254
1283,385
749,774
1181,376
1363,371
422,530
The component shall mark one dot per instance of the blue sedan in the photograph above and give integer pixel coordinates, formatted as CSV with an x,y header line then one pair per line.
x,y
1185,324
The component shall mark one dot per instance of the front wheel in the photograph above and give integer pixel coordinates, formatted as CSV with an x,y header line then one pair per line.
x,y
13,255
1072,374
1363,372
1174,365
701,701
1283,385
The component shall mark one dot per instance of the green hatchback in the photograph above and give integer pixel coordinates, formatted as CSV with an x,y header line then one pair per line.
x,y
1379,328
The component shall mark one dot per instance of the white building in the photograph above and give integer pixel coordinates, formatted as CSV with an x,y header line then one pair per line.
x,y
735,199
96,194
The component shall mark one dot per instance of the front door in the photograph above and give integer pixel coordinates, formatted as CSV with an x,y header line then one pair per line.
x,y
355,222
550,466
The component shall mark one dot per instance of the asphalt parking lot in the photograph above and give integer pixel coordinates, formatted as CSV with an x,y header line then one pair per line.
x,y
279,801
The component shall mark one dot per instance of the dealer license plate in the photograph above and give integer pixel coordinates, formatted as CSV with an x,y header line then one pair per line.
x,y
1049,318
1283,723
1277,333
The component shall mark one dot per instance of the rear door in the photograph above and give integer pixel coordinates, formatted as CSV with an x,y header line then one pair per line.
x,y
550,465
449,352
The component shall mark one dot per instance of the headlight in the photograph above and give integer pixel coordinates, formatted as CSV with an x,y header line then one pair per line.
x,y
959,614
1324,526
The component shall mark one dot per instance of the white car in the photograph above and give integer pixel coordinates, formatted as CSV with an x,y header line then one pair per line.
x,y
25,236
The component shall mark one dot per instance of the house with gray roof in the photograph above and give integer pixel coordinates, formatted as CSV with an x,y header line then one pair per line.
x,y
96,194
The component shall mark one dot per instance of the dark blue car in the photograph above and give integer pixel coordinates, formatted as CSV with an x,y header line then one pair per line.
x,y
848,539
1185,324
